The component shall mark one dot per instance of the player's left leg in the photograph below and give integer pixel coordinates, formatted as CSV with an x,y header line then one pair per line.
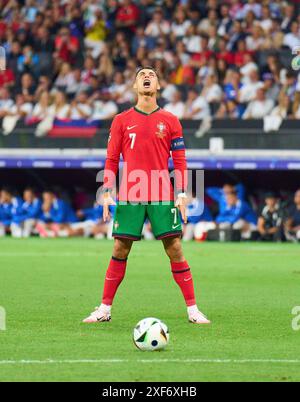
x,y
183,277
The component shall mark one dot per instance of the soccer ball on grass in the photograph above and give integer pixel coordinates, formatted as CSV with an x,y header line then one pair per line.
x,y
151,334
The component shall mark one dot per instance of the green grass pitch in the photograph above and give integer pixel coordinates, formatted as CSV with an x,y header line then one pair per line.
x,y
248,291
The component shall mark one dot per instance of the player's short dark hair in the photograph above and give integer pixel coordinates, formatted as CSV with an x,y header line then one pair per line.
x,y
31,189
49,190
139,69
271,195
8,189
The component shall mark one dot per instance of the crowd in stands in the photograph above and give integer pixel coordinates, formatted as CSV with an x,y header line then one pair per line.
x,y
225,214
76,59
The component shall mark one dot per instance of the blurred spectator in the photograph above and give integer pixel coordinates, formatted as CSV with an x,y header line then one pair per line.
x,y
119,91
26,216
255,41
271,219
229,109
176,107
157,26
237,215
60,108
288,17
104,110
272,88
248,91
227,51
292,224
95,34
6,103
28,61
196,107
9,206
219,194
80,108
66,46
65,78
40,110
127,16
27,87
7,78
180,25
56,215
200,220
259,107
20,110
273,121
211,91
292,39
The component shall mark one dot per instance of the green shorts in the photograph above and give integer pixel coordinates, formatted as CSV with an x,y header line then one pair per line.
x,y
130,218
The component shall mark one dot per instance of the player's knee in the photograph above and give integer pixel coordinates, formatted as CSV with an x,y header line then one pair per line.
x,y
174,249
122,248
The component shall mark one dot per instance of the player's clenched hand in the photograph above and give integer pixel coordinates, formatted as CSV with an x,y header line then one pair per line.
x,y
181,204
107,201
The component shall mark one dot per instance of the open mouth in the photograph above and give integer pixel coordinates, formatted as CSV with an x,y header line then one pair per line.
x,y
147,83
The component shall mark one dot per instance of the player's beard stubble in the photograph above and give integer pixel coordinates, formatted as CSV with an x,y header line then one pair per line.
x,y
148,94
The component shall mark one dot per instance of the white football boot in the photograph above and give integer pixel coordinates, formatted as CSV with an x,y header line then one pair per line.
x,y
101,314
196,317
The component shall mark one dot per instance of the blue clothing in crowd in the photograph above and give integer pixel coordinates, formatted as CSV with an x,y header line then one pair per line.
x,y
28,210
218,195
232,214
197,212
10,209
60,212
96,213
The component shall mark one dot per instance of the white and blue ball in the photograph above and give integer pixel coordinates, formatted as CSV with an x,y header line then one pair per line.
x,y
151,334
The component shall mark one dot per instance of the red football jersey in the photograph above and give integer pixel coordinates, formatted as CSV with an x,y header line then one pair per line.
x,y
146,142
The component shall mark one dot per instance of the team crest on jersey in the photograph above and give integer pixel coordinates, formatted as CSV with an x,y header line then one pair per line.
x,y
161,130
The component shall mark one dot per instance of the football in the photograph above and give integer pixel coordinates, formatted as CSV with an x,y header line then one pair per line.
x,y
151,334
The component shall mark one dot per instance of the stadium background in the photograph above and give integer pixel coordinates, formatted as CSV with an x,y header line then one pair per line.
x,y
224,66
48,286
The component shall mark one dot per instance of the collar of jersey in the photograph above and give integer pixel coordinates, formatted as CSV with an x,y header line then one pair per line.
x,y
146,114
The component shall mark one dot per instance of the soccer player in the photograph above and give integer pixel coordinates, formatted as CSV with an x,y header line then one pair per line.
x,y
26,217
145,135
56,215
9,207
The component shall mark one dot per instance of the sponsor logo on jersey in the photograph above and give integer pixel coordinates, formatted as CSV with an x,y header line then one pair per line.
x,y
161,130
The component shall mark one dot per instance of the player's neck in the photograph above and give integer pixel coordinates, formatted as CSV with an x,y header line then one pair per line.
x,y
147,104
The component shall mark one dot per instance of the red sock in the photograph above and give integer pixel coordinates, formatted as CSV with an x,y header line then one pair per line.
x,y
114,276
183,277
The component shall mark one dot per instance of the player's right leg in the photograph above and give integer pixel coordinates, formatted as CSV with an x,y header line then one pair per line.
x,y
114,276
128,224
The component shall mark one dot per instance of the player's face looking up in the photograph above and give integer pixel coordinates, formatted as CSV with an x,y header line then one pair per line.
x,y
146,83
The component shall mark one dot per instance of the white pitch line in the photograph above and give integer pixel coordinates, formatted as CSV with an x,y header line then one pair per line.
x,y
150,361
47,254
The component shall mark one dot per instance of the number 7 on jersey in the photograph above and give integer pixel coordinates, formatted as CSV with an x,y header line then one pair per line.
x,y
132,136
